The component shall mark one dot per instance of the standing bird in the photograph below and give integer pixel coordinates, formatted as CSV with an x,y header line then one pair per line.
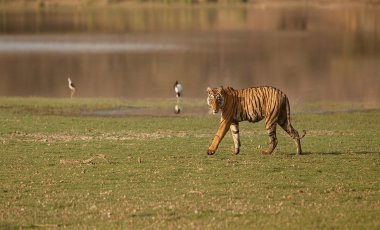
x,y
178,89
72,88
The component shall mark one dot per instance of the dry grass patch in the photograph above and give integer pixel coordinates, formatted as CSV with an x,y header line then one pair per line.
x,y
109,136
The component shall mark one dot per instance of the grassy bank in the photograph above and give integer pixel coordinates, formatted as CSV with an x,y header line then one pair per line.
x,y
115,163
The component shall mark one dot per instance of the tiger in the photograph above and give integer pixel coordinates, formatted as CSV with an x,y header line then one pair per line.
x,y
253,105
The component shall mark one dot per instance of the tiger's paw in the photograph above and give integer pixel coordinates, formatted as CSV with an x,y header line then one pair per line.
x,y
266,152
235,151
210,152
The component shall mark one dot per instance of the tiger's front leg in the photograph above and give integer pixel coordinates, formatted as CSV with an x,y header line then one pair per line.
x,y
234,127
223,128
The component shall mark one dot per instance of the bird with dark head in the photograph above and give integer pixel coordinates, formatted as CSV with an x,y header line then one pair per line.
x,y
178,89
71,87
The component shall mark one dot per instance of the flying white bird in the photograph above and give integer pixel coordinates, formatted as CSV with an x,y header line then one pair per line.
x,y
72,88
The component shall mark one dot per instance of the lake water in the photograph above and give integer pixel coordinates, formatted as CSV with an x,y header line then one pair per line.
x,y
311,52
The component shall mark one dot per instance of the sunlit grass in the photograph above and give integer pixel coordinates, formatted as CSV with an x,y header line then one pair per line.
x,y
155,173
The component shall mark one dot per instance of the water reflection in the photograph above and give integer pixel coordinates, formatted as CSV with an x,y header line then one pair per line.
x,y
30,46
177,109
311,53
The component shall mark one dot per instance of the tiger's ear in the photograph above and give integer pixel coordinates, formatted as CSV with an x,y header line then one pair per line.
x,y
209,90
221,89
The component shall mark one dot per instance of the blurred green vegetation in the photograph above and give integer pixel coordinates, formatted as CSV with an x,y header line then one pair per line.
x,y
45,3
55,3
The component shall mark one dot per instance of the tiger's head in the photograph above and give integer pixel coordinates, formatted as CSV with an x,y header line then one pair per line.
x,y
215,99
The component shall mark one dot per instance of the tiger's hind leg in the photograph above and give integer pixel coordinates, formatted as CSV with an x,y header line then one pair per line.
x,y
284,122
271,130
287,126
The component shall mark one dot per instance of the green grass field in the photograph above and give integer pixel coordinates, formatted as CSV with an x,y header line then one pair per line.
x,y
88,163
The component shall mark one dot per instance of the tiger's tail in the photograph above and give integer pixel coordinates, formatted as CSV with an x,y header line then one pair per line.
x,y
304,133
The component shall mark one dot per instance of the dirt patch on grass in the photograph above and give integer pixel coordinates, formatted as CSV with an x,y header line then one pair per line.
x,y
330,133
130,135
110,136
90,160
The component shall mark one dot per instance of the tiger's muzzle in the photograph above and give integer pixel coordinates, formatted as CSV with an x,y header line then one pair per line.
x,y
214,107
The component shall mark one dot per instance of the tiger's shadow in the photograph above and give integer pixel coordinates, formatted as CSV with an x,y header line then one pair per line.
x,y
336,153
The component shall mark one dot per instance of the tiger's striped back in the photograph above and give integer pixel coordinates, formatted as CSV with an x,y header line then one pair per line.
x,y
253,104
